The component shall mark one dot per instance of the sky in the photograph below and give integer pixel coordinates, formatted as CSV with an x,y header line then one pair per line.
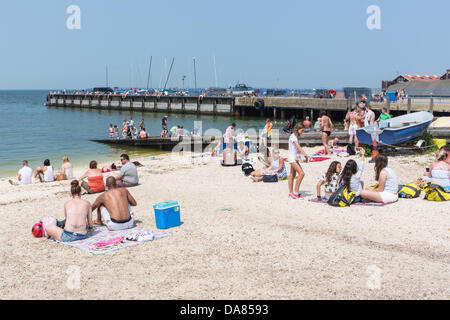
x,y
285,44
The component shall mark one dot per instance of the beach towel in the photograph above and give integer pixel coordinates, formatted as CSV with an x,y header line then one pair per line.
x,y
363,204
318,159
101,240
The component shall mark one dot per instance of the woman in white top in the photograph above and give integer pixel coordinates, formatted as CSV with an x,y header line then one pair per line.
x,y
45,173
387,189
295,154
439,171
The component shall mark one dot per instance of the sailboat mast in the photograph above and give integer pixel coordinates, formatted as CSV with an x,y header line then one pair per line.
x,y
215,72
195,74
170,70
149,72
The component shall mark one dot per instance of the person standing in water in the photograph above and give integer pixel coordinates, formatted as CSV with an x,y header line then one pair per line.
x,y
326,126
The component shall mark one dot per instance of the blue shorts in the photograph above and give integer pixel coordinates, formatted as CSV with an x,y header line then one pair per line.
x,y
68,236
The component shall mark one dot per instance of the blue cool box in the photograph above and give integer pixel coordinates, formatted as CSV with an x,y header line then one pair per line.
x,y
167,214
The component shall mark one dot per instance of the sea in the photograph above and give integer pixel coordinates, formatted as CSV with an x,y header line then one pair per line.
x,y
34,132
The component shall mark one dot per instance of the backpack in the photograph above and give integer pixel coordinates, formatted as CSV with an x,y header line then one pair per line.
x,y
409,191
351,149
434,192
341,197
247,168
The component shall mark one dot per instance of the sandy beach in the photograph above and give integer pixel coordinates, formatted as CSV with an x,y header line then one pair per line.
x,y
238,240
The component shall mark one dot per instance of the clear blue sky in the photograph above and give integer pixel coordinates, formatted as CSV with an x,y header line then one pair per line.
x,y
297,44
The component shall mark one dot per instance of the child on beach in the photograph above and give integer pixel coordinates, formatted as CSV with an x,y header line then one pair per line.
x,y
295,154
351,176
387,189
330,180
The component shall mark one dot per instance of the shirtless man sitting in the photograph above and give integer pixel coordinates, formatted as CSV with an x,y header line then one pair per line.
x,y
114,207
77,211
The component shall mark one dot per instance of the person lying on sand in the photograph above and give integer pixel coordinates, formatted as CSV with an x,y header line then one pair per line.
x,y
114,207
77,212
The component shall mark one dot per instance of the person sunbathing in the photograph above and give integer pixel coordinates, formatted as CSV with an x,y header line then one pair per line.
x,y
77,211
95,182
114,207
274,166
439,171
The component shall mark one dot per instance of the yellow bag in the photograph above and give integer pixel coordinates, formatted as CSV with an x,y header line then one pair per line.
x,y
434,192
342,198
409,191
440,142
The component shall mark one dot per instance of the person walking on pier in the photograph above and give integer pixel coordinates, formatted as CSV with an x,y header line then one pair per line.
x,y
164,126
111,131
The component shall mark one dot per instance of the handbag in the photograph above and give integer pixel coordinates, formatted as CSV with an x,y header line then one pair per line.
x,y
270,178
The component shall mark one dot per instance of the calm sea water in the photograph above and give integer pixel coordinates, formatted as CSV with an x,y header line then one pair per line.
x,y
34,132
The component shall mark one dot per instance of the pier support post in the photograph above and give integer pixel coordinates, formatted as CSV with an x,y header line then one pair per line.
x,y
242,111
431,104
274,113
409,105
198,106
304,114
155,105
312,115
183,106
214,107
283,114
388,104
169,106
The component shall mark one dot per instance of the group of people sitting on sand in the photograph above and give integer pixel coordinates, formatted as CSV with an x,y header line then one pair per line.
x,y
46,173
113,210
113,205
127,177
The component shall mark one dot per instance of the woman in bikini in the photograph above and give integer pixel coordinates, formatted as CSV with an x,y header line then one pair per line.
x,y
325,127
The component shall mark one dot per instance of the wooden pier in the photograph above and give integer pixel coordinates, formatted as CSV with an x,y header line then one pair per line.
x,y
205,143
272,107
